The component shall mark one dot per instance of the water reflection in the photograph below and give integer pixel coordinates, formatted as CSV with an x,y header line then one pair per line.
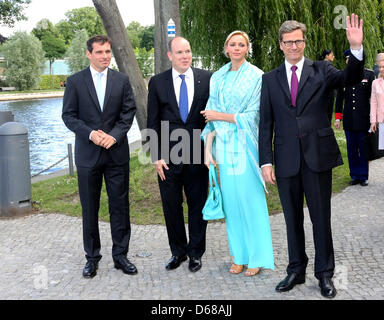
x,y
48,136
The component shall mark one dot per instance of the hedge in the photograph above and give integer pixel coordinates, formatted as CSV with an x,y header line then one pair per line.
x,y
46,81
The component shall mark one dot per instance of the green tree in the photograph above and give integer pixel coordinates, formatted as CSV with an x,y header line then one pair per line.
x,y
78,19
76,54
65,30
43,27
12,11
134,30
25,57
53,45
54,48
147,37
145,59
261,19
140,36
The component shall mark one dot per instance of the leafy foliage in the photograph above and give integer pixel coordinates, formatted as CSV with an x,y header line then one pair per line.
x,y
145,59
25,57
79,19
76,54
207,23
46,82
12,11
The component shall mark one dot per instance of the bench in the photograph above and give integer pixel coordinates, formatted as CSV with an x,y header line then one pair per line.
x,y
7,89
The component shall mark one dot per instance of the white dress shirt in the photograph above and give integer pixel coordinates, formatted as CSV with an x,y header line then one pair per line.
x,y
103,78
299,70
189,80
94,74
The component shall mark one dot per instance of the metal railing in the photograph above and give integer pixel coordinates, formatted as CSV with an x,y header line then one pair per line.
x,y
69,156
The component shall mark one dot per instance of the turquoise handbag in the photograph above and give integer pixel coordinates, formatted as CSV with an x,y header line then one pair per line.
x,y
213,208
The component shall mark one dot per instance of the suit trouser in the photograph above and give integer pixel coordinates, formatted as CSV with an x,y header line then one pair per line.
x,y
317,188
358,165
194,179
117,184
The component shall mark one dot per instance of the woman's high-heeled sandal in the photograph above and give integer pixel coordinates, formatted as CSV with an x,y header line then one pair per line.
x,y
236,269
251,272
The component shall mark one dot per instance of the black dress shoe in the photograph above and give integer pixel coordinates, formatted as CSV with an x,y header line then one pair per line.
x,y
327,288
290,281
175,262
354,182
194,264
364,183
125,265
90,269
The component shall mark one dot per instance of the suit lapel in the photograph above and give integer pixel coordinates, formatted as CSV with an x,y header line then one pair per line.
x,y
311,84
307,68
91,88
109,87
171,93
283,81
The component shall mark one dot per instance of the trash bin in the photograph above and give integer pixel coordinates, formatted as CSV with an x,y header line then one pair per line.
x,y
15,175
6,116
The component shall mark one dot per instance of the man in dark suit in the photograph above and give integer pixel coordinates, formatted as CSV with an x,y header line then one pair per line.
x,y
356,122
175,99
294,109
99,108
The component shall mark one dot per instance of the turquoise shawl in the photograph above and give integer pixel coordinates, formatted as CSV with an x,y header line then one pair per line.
x,y
244,103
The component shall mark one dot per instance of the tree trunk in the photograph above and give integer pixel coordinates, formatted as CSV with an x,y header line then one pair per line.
x,y
164,11
124,55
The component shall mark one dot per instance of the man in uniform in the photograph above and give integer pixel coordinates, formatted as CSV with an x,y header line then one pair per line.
x,y
355,116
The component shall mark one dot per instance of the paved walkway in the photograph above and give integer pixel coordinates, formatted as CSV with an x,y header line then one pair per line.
x,y
41,257
32,95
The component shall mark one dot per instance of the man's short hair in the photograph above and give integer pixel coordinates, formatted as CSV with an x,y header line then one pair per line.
x,y
101,39
170,42
290,26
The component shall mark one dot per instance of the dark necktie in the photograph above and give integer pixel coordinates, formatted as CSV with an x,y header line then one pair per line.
x,y
183,99
294,85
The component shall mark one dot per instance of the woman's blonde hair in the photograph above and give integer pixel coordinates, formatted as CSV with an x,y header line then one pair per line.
x,y
235,33
380,57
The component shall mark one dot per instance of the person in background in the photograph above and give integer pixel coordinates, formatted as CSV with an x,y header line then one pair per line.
x,y
327,55
377,102
356,122
231,134
376,68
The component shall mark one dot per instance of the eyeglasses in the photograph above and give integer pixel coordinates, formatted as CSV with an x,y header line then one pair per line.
x,y
298,43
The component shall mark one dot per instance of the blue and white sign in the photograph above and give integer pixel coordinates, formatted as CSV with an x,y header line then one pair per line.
x,y
171,29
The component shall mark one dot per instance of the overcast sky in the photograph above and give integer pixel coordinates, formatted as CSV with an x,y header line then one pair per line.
x,y
54,10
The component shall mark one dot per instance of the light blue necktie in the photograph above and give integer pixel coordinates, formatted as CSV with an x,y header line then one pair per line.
x,y
183,99
99,90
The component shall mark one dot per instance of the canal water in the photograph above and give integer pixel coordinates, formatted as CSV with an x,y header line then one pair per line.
x,y
47,134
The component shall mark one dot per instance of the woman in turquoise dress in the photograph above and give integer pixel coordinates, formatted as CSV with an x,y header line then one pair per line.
x,y
231,145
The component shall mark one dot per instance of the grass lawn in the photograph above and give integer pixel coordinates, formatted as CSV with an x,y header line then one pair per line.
x,y
61,194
